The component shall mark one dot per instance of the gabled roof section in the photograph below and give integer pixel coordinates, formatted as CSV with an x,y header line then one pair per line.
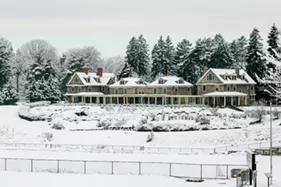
x,y
129,82
170,81
92,79
226,76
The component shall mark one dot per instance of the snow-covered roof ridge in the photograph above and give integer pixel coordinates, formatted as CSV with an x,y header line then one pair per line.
x,y
223,76
92,79
130,82
170,81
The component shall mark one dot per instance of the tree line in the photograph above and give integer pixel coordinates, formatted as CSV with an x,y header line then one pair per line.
x,y
37,72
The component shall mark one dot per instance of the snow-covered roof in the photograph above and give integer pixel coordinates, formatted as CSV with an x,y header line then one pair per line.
x,y
218,94
129,82
170,81
93,78
85,94
223,74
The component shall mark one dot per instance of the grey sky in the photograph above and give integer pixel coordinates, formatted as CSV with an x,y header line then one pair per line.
x,y
109,24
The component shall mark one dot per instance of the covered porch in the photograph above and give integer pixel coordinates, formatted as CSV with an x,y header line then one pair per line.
x,y
225,98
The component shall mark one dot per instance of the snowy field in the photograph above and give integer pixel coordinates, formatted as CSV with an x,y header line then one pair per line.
x,y
222,127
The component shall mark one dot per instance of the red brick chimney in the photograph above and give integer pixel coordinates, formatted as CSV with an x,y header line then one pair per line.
x,y
99,72
86,69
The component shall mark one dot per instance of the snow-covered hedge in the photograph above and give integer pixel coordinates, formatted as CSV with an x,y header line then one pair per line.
x,y
24,111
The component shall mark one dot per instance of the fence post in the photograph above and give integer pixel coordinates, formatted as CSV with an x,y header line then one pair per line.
x,y
201,171
58,166
170,170
31,164
139,168
5,164
226,171
112,172
85,167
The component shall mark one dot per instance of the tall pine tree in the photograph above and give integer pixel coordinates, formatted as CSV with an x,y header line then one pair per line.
x,y
274,48
142,57
221,57
256,64
163,57
238,51
186,66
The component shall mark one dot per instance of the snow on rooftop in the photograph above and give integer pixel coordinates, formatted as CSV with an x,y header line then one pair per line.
x,y
129,82
222,72
170,81
94,79
85,94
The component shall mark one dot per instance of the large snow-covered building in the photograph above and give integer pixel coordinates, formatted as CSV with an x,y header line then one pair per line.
x,y
216,87
220,87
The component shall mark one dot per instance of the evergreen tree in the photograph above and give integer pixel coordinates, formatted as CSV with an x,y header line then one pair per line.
x,y
8,93
256,64
125,72
142,57
163,58
42,81
273,43
186,66
6,53
158,58
238,51
131,54
221,57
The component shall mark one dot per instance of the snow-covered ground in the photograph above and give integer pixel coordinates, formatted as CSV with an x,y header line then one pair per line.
x,y
222,121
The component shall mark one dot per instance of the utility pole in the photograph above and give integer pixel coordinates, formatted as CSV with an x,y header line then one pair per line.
x,y
271,141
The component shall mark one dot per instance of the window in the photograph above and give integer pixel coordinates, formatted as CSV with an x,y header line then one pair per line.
x,y
97,80
228,88
76,79
154,90
210,77
164,91
122,82
217,88
252,88
161,81
204,88
176,89
90,89
233,77
180,81
72,89
234,88
242,77
116,91
140,81
102,88
125,91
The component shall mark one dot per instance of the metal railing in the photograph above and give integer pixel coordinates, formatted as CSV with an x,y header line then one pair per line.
x,y
249,146
182,170
107,148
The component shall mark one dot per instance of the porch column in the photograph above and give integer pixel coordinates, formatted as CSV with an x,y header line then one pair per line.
x,y
179,100
238,100
203,100
98,100
104,98
91,100
155,100
172,100
246,103
117,99
224,101
232,100
124,100
110,99
134,100
72,99
214,101
148,100
141,99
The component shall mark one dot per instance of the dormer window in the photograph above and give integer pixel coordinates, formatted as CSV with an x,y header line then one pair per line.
x,y
76,79
87,79
181,81
140,81
233,77
97,79
122,82
161,81
242,77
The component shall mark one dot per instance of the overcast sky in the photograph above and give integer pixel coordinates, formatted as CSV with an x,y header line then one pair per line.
x,y
109,24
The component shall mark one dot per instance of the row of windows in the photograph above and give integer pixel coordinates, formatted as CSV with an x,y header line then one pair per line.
x,y
89,89
228,88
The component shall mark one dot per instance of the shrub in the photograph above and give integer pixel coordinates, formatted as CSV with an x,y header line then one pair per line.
x,y
58,126
47,136
143,120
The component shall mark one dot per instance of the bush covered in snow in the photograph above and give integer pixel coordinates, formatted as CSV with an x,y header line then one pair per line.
x,y
24,113
58,126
